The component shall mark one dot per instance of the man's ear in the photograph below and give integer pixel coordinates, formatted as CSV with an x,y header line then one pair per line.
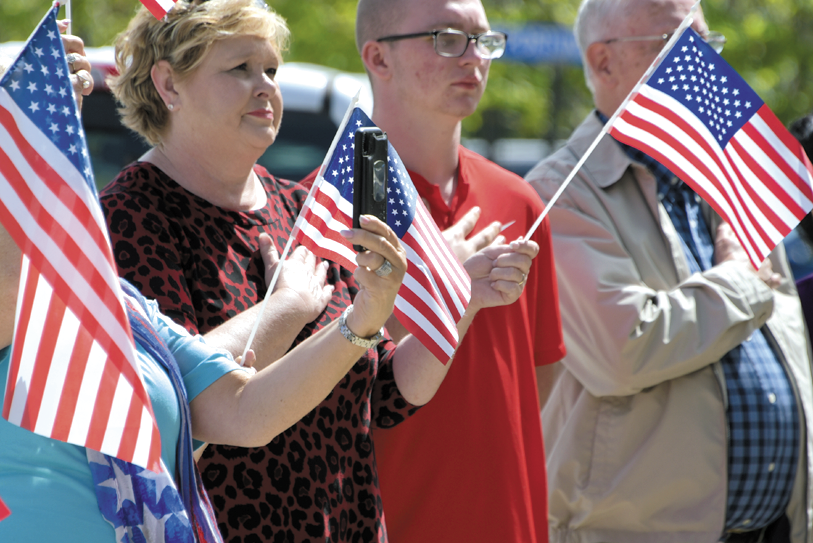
x,y
377,59
163,77
599,56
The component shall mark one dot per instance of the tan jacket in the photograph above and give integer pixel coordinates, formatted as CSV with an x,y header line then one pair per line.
x,y
635,428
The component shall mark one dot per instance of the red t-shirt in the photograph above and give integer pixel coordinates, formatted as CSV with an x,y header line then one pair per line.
x,y
470,466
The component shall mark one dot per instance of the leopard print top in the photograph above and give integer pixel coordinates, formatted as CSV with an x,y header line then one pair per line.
x,y
317,481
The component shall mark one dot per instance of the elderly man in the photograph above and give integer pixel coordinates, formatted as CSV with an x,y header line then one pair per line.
x,y
469,466
682,410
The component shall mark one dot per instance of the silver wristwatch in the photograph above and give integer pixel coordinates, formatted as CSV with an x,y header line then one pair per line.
x,y
367,343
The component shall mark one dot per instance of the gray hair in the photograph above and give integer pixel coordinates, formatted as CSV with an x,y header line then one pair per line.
x,y
590,27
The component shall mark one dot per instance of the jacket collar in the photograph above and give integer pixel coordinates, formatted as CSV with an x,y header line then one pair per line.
x,y
614,161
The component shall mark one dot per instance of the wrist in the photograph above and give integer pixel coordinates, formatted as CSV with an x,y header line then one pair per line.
x,y
366,338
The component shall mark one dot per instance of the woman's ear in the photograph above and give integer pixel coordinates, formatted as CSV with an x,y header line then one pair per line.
x,y
163,77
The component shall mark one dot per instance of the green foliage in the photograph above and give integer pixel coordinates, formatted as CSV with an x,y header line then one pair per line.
x,y
769,43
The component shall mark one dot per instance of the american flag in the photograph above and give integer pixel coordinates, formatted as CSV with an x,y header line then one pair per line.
x,y
159,8
436,289
700,119
73,374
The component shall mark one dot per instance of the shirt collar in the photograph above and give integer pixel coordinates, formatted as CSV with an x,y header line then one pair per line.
x,y
665,178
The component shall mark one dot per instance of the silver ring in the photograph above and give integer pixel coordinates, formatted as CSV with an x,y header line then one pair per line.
x,y
72,58
524,278
384,269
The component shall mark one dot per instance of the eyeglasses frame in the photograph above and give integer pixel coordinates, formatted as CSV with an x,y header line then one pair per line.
x,y
716,40
435,33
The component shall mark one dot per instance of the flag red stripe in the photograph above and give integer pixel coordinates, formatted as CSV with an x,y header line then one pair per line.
x,y
662,135
45,356
131,425
421,335
428,312
727,190
800,178
440,294
70,249
155,8
781,164
448,265
323,228
101,408
73,381
778,192
56,184
26,303
430,231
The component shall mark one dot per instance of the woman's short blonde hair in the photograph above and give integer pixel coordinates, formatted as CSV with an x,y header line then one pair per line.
x,y
183,39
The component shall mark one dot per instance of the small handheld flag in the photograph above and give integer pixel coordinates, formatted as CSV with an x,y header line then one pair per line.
x,y
73,374
436,289
159,8
700,119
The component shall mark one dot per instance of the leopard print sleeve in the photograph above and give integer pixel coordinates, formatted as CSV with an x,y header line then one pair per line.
x,y
148,240
389,406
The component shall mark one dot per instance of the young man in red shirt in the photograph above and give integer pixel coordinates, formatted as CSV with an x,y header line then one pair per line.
x,y
470,466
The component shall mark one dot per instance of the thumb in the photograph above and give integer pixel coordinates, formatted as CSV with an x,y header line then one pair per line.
x,y
268,251
466,223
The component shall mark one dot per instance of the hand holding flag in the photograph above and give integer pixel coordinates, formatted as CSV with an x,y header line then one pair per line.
x,y
436,289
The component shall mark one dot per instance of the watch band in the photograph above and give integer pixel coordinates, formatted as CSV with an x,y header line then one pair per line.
x,y
367,343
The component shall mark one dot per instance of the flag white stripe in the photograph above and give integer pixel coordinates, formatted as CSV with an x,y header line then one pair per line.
x,y
707,185
787,155
331,222
28,358
119,409
88,392
75,279
442,257
52,393
50,154
425,325
784,214
776,173
438,266
412,284
326,243
141,454
430,230
693,148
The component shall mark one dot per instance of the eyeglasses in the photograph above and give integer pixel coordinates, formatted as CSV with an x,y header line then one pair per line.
x,y
453,43
715,39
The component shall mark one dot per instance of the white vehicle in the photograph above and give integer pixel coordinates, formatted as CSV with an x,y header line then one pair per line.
x,y
315,99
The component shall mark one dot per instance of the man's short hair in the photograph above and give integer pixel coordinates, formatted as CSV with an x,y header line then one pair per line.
x,y
592,21
374,19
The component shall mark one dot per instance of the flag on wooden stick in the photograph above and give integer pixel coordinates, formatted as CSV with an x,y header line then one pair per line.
x,y
699,118
73,374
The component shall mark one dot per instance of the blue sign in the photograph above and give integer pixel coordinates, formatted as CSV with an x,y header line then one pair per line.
x,y
541,44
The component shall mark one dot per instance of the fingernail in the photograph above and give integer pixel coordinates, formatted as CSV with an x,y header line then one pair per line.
x,y
348,233
85,83
500,240
364,219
